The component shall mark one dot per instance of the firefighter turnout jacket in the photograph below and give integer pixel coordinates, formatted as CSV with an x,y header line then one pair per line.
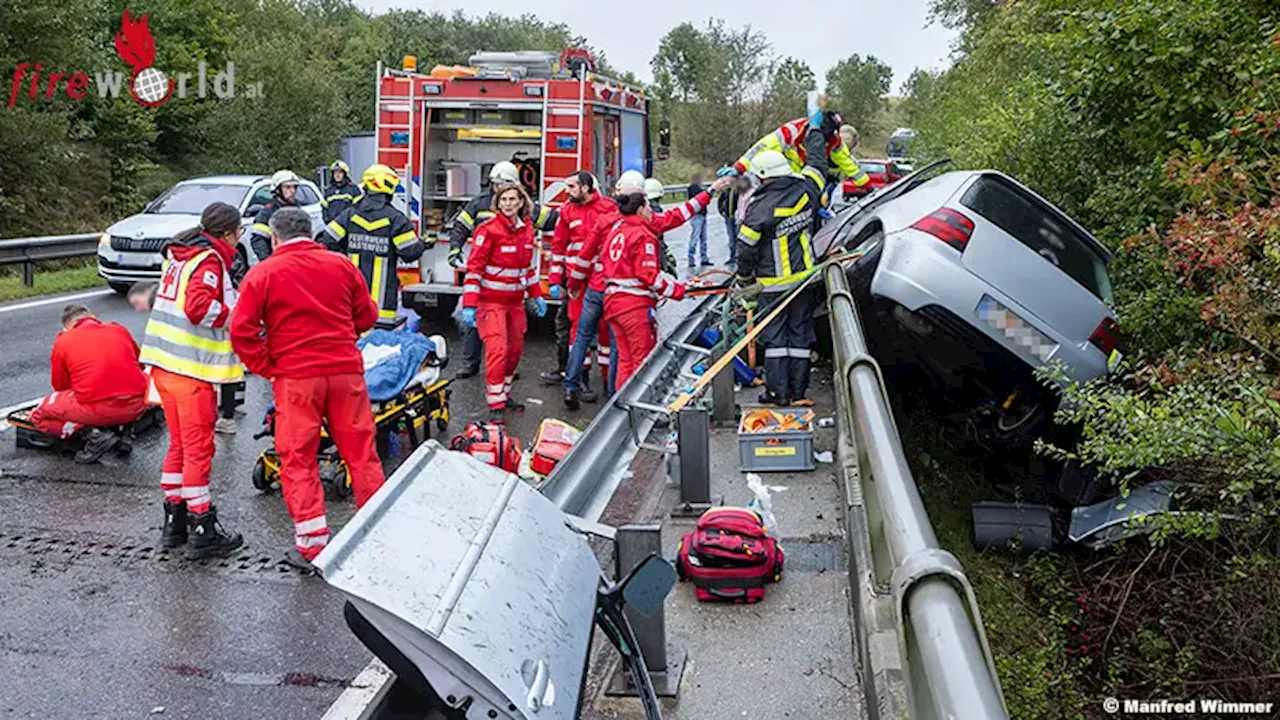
x,y
480,208
500,269
259,235
338,197
776,232
662,222
629,265
376,236
187,331
576,225
790,141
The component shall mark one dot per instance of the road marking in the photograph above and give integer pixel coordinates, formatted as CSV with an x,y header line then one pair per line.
x,y
4,412
56,299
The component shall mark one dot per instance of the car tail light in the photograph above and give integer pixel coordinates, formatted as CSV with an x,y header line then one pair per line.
x,y
1106,336
949,226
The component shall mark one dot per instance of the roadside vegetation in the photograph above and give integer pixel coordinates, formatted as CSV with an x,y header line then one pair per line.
x,y
1154,124
51,277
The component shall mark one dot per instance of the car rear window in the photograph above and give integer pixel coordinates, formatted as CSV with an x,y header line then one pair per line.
x,y
1042,228
192,198
869,167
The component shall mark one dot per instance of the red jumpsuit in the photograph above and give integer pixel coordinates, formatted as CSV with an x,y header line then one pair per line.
x,y
577,224
96,380
633,285
661,222
296,323
500,274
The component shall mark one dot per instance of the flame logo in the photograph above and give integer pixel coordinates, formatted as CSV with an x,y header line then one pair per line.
x,y
134,42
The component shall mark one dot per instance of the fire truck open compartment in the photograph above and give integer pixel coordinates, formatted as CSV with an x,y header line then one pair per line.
x,y
547,112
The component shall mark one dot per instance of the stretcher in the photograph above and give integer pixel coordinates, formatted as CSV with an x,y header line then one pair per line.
x,y
27,436
402,421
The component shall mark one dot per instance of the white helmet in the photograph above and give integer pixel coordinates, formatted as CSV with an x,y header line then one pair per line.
x,y
504,173
770,164
631,182
653,189
284,177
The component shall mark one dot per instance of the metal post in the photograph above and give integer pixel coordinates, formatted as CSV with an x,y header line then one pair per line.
x,y
722,400
693,433
635,543
29,273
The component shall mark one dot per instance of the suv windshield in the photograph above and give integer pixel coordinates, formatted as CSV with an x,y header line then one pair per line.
x,y
1042,228
872,167
191,198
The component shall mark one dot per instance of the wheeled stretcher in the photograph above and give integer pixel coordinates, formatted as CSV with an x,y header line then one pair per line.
x,y
403,413
27,436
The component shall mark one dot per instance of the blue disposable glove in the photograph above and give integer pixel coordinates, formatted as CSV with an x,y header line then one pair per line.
x,y
726,170
814,110
540,306
555,293
825,214
469,317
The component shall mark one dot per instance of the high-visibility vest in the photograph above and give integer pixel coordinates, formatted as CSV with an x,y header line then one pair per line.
x,y
172,342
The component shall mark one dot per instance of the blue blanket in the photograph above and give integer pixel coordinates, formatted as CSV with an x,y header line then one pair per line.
x,y
389,377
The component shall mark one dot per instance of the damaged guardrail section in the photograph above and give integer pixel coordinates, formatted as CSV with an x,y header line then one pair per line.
x,y
905,587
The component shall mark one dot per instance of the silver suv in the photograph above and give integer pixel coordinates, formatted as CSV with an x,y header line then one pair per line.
x,y
129,251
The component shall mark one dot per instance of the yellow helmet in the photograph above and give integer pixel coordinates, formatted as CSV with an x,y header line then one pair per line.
x,y
380,179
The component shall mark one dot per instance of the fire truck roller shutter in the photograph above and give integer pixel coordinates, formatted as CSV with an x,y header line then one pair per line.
x,y
633,142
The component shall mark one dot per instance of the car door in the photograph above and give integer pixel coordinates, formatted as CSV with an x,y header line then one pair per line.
x,y
309,200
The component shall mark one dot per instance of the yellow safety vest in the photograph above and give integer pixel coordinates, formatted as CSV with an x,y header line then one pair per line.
x,y
172,342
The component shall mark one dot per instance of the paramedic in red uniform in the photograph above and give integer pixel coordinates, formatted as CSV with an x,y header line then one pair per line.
x,y
96,380
578,219
633,283
296,323
500,273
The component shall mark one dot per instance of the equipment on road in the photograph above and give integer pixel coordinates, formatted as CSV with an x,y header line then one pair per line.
x,y
554,440
730,556
490,444
27,436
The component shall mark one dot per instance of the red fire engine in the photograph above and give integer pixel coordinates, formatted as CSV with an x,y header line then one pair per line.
x,y
549,113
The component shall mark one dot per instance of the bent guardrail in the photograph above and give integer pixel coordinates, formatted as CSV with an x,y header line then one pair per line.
x,y
32,250
942,652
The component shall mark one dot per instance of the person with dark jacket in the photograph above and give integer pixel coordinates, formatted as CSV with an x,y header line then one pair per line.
x,y
376,236
728,207
341,193
775,249
284,193
697,225
296,325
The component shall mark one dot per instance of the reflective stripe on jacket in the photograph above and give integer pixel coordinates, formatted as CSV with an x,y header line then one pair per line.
x,y
174,342
376,236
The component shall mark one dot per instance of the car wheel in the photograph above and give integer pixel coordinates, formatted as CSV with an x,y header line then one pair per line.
x,y
120,288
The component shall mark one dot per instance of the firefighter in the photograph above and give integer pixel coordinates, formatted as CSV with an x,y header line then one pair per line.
x,y
500,275
376,236
578,219
476,211
633,282
296,325
341,193
790,141
96,382
284,193
653,191
775,248
190,354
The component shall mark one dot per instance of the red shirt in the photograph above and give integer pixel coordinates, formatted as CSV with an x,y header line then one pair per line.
x,y
300,312
662,222
97,361
500,268
631,276
577,221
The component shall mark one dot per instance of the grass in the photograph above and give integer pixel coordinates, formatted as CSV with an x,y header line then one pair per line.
x,y
49,282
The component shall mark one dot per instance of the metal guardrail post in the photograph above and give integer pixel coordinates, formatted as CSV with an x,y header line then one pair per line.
x,y
635,543
947,662
693,429
723,403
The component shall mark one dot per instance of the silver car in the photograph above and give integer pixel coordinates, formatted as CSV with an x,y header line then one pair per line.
x,y
987,280
129,251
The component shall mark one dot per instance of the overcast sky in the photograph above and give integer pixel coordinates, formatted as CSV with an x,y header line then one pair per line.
x,y
820,32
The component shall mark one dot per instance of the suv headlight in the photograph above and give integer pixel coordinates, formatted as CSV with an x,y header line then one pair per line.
x,y
104,242
105,251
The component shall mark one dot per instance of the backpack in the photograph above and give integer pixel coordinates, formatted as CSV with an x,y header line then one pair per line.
x,y
490,444
555,439
729,557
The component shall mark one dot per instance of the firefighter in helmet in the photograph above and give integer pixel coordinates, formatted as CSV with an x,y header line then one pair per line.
x,y
284,192
341,193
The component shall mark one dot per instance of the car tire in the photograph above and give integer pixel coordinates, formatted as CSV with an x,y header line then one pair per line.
x,y
120,288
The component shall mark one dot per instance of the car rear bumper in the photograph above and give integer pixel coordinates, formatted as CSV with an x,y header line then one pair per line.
x,y
916,271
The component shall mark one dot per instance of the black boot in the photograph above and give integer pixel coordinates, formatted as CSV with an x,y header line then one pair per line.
x,y
515,405
497,417
572,400
586,393
174,531
553,377
208,539
98,443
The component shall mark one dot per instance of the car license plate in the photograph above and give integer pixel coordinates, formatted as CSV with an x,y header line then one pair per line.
x,y
428,299
139,260
1018,331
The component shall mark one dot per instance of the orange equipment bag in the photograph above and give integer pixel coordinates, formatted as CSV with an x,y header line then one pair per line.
x,y
554,439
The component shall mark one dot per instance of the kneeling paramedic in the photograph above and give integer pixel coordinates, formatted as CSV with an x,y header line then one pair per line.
x,y
96,382
478,210
296,325
500,274
633,282
190,355
376,236
775,249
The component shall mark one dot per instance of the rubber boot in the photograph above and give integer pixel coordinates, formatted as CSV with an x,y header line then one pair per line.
x,y
572,400
100,440
174,531
208,539
587,394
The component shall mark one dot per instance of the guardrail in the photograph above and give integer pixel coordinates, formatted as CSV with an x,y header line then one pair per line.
x,y
32,250
942,652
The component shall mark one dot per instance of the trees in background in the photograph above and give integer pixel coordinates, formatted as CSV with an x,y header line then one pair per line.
x,y
857,87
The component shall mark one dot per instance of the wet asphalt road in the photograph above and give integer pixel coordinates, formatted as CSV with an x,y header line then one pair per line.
x,y
97,622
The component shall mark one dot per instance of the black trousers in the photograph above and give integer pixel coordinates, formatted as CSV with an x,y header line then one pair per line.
x,y
787,342
230,397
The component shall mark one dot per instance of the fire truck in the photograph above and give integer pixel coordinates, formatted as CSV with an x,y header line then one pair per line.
x,y
549,113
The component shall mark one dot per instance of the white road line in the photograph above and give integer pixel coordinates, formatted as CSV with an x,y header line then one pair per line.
x,y
57,299
363,694
4,412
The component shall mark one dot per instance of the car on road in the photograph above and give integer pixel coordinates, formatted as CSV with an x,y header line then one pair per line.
x,y
882,173
980,281
129,251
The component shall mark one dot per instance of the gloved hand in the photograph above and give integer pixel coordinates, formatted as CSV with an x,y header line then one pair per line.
x,y
540,304
555,292
455,257
469,317
825,214
830,125
429,240
720,184
813,108
742,280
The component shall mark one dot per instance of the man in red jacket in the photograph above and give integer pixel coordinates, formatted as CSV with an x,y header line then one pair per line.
x,y
96,381
295,324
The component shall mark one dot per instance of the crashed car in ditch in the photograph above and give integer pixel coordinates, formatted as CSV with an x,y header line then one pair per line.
x,y
980,281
